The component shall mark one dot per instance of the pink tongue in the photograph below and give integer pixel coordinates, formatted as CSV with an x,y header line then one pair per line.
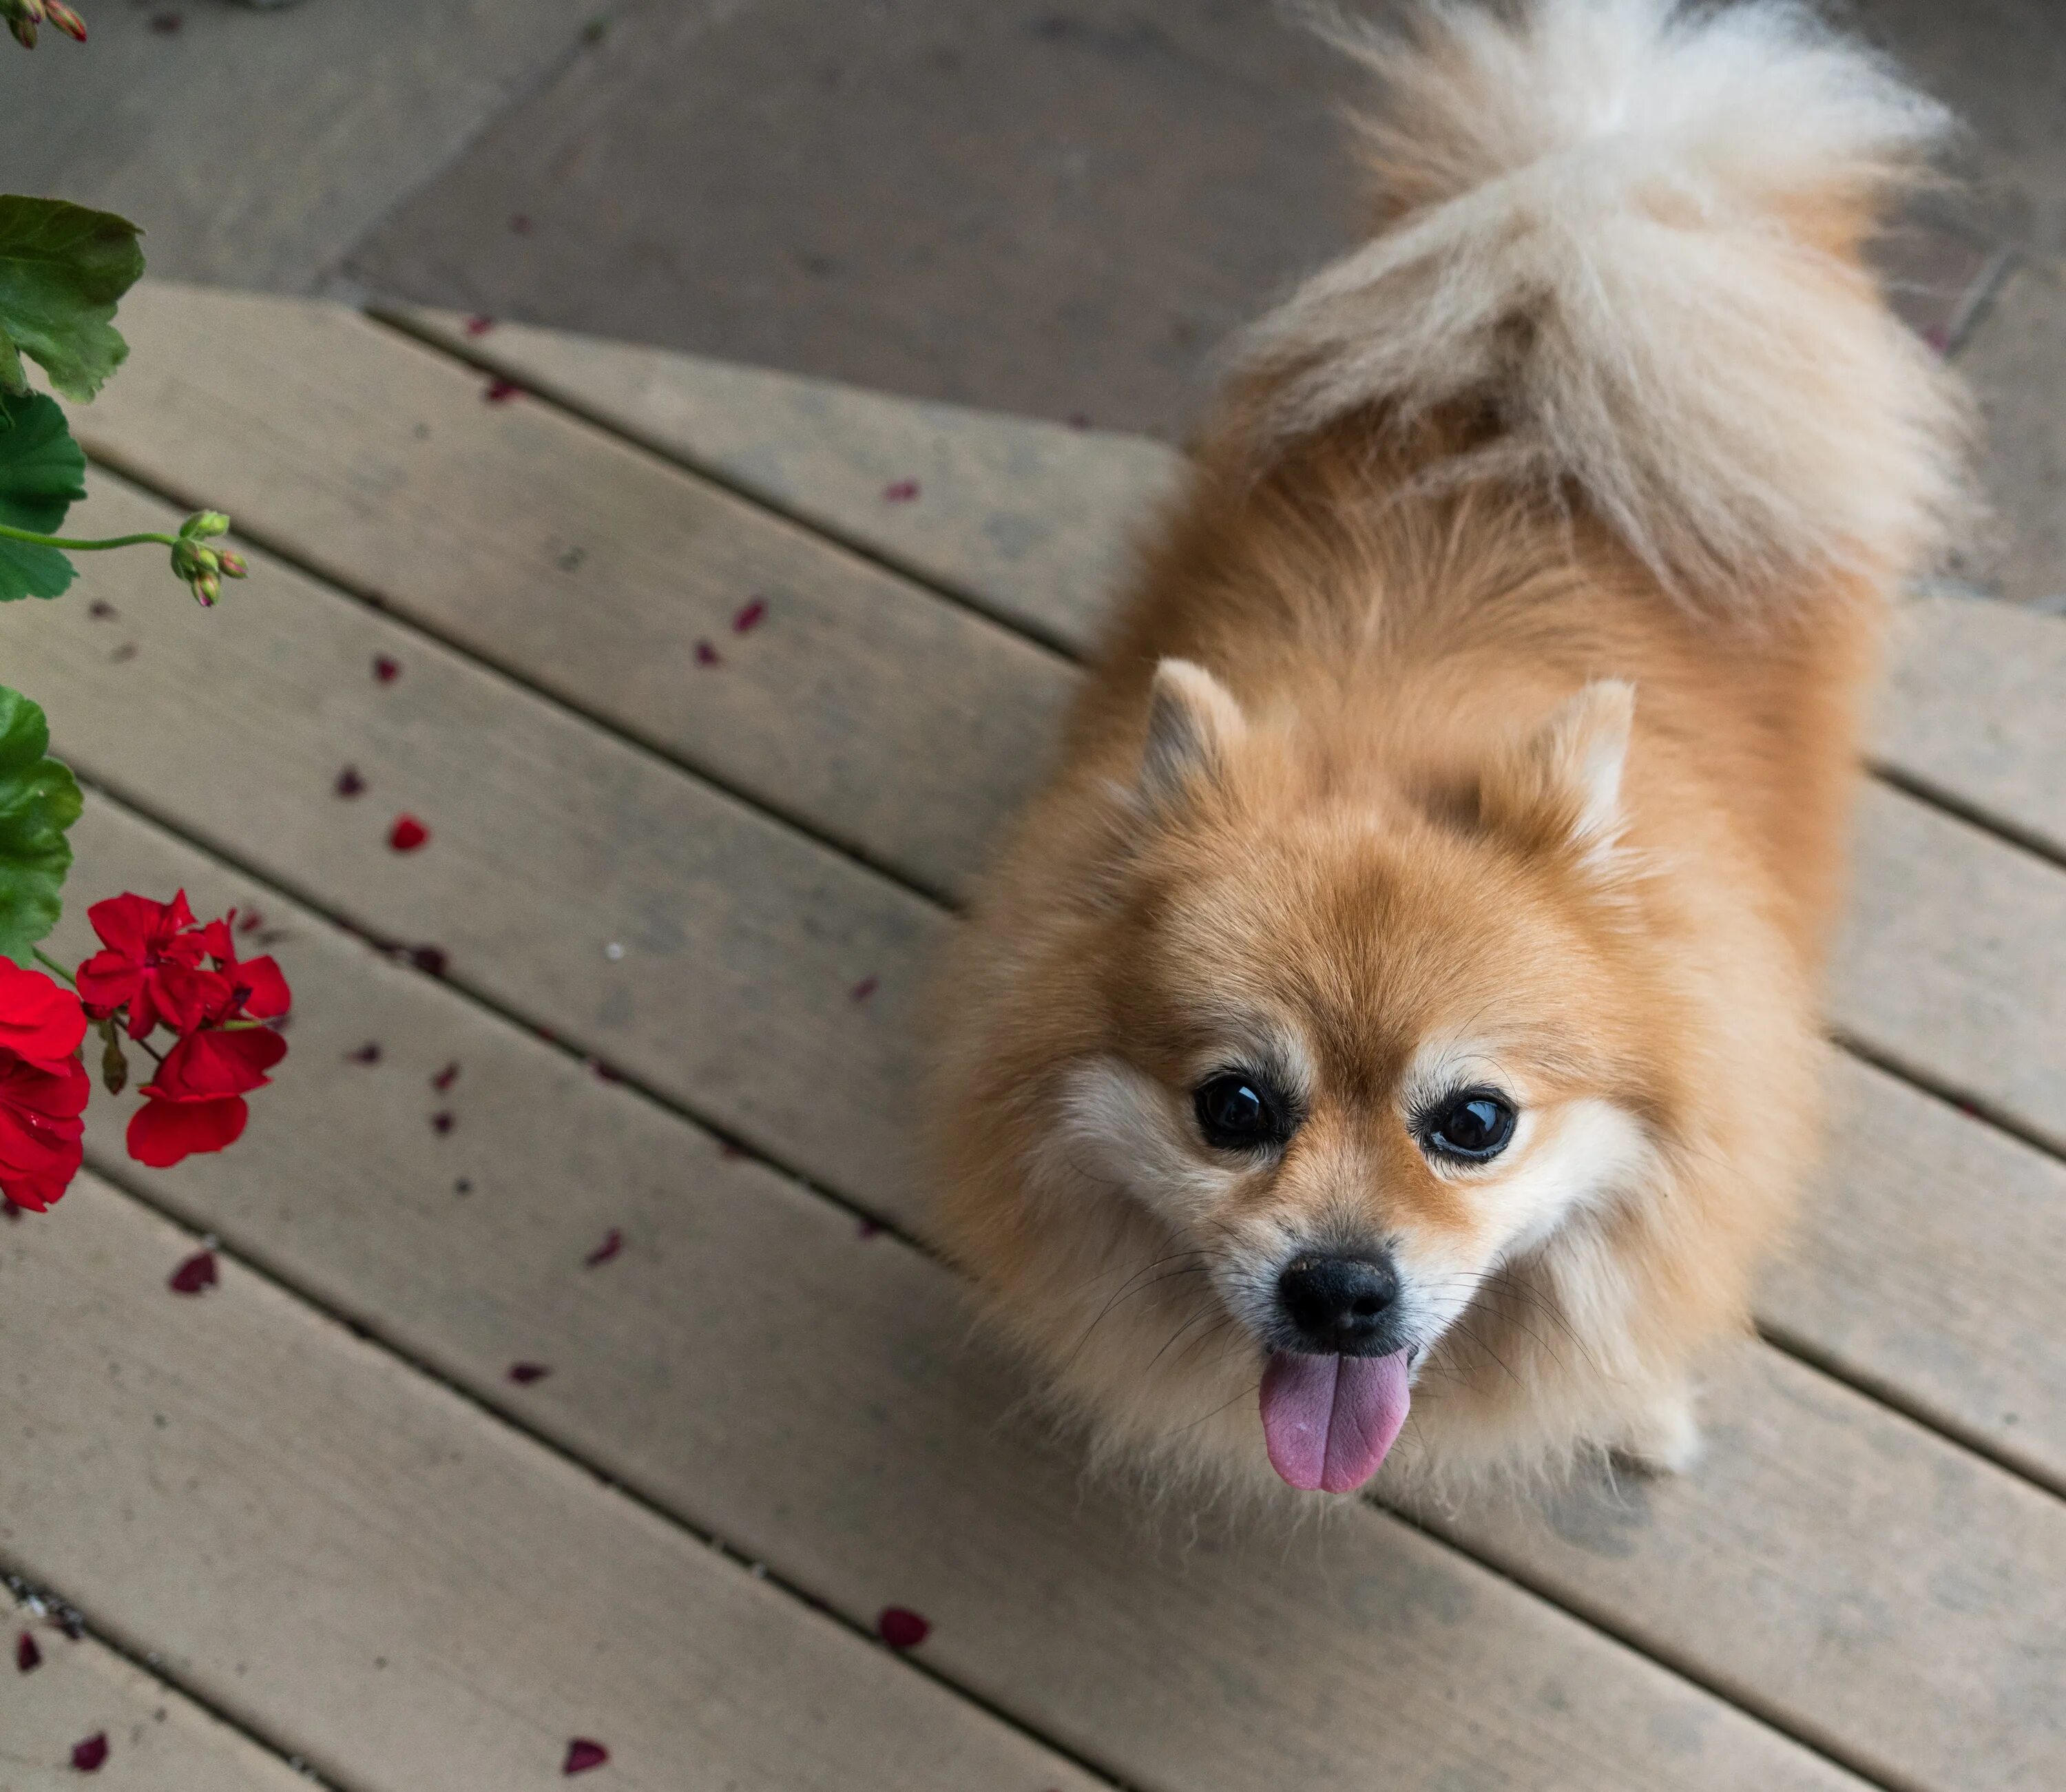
x,y
1328,1421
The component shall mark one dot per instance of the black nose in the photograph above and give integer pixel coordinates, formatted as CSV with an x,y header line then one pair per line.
x,y
1339,1304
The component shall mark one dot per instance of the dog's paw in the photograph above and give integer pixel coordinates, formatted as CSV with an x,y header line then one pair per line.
x,y
1664,1438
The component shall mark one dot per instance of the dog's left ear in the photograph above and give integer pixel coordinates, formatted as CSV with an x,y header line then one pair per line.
x,y
1194,726
1561,786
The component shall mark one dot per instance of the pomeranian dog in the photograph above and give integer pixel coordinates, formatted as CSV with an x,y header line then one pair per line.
x,y
1403,995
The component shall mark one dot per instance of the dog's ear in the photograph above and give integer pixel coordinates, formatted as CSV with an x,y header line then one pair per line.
x,y
1194,726
1560,786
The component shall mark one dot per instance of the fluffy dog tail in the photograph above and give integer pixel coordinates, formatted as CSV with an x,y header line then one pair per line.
x,y
1623,237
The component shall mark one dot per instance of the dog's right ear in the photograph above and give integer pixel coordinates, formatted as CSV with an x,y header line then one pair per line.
x,y
1194,726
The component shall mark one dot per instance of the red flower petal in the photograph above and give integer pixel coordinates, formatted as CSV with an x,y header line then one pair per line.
x,y
446,1077
28,1658
161,1134
583,1755
349,783
90,1756
523,1374
866,987
903,491
196,1273
479,326
261,989
750,617
901,1629
613,1241
40,1020
707,654
216,1062
387,668
367,1053
407,834
500,392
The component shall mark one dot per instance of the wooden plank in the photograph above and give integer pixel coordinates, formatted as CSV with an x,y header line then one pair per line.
x,y
1927,1271
158,1739
1953,963
594,571
1027,519
404,1591
1972,712
868,1452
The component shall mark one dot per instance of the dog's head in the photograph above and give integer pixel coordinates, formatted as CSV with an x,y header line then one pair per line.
x,y
1360,1043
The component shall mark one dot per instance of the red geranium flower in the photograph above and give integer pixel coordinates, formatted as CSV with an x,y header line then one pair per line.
x,y
255,985
43,1089
153,962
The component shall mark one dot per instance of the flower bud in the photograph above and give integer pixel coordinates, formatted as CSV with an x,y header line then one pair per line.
x,y
24,30
66,20
207,587
232,564
27,12
114,1066
203,524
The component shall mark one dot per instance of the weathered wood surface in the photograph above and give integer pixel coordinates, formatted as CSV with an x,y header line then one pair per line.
x,y
356,492
615,580
404,1591
1973,710
1927,1269
1952,964
755,1363
504,1155
1025,519
158,1740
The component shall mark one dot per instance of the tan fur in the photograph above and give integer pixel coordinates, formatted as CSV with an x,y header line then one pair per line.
x,y
1377,821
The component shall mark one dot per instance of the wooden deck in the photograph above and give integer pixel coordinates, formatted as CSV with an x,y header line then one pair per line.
x,y
684,912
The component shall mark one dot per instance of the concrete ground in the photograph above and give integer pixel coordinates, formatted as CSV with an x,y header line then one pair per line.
x,y
1055,207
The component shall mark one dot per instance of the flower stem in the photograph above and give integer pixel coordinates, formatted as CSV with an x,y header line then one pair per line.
x,y
8,532
49,963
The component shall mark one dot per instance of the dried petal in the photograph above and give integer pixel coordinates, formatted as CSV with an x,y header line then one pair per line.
x,y
707,654
520,223
408,834
90,1756
193,1276
387,668
431,960
28,1658
751,616
101,611
866,987
867,1229
902,491
446,1077
367,1053
479,326
583,1755
349,783
443,1122
901,1629
500,392
8,1210
613,1241
523,1374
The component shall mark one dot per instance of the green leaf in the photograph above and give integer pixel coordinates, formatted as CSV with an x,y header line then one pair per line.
x,y
42,473
38,801
62,269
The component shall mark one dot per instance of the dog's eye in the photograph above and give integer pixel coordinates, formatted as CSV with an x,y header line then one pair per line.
x,y
1239,1111
1474,1125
